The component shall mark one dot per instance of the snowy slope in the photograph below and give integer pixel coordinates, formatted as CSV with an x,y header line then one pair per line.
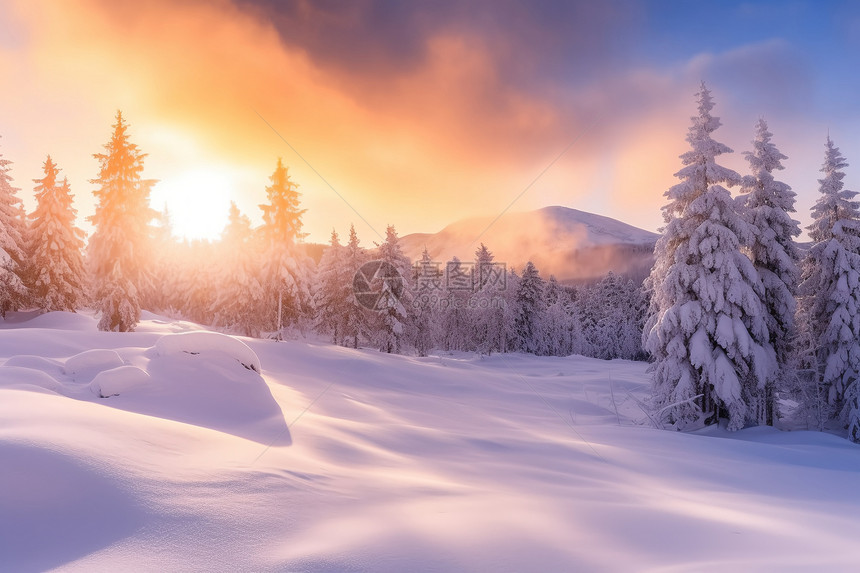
x,y
566,242
339,460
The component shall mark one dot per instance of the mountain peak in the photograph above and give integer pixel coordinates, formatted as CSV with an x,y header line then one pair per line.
x,y
569,243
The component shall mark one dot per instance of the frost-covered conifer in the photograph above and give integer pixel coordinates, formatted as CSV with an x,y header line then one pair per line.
x,y
13,293
529,311
706,329
287,270
427,284
830,295
239,298
456,321
558,328
774,253
618,308
395,295
357,320
488,302
118,252
56,260
333,291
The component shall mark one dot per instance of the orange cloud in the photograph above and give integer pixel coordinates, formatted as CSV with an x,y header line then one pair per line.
x,y
444,134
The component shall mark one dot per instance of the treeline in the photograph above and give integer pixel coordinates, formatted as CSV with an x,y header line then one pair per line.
x,y
261,281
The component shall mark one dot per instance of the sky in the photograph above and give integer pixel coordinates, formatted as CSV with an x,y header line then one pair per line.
x,y
421,113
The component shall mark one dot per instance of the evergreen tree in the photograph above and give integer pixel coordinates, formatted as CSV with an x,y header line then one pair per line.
x,y
200,271
558,327
830,294
13,293
163,271
119,249
287,269
456,327
357,319
487,308
239,298
427,282
619,311
706,329
529,311
56,259
333,291
774,253
395,295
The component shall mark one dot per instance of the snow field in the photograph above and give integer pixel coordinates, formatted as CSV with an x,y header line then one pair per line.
x,y
394,463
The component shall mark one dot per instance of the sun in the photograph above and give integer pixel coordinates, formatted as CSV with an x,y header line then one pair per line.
x,y
198,201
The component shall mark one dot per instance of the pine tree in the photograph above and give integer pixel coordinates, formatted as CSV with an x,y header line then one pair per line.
x,y
427,284
56,261
200,271
13,293
529,311
456,321
287,269
394,294
487,307
619,309
830,294
163,270
357,323
706,330
239,298
774,253
333,291
558,328
119,253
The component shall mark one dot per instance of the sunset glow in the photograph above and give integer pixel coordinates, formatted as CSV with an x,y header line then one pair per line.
x,y
416,114
197,202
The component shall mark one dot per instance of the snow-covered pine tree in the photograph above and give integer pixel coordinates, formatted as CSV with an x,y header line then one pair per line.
x,y
487,306
427,281
558,331
119,254
775,256
199,272
357,320
239,297
164,247
56,264
287,270
529,312
395,296
13,293
510,311
706,331
333,291
618,306
456,332
830,295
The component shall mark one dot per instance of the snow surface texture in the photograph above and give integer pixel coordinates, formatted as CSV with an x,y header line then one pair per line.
x,y
391,463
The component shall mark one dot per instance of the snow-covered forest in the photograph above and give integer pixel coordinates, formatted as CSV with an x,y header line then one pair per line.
x,y
739,323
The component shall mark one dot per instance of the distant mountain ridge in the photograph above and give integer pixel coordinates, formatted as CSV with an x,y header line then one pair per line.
x,y
571,244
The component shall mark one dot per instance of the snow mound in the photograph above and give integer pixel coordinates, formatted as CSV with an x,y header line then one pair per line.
x,y
24,378
89,360
115,381
60,320
36,363
208,343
